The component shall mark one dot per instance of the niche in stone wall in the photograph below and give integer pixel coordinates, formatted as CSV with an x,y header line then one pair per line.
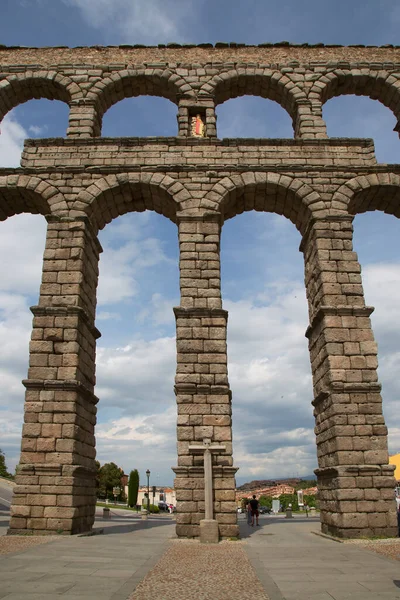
x,y
142,116
359,116
253,117
33,119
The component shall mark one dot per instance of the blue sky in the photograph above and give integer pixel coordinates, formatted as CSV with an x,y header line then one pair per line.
x,y
262,269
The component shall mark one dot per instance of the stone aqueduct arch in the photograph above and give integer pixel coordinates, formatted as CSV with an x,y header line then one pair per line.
x,y
82,182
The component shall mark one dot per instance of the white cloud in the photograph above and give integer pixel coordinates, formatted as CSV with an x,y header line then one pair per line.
x,y
22,242
120,267
137,21
11,141
36,130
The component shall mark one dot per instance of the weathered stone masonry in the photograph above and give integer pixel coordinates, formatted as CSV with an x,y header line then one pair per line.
x,y
83,182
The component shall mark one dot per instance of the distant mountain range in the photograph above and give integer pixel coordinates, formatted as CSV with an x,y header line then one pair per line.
x,y
264,483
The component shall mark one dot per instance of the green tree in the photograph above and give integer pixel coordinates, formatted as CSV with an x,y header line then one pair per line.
x,y
3,468
286,499
133,488
265,501
110,476
310,501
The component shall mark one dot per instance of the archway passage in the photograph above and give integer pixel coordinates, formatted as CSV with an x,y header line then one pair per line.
x,y
269,192
141,117
252,117
114,196
362,117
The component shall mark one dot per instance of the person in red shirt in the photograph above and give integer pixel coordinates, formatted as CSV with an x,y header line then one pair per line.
x,y
254,510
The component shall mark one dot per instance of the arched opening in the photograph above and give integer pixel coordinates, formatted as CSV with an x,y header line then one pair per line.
x,y
142,116
22,241
254,117
376,238
136,355
32,119
356,116
269,365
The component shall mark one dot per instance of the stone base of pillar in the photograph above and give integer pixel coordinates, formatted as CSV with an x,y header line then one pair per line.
x,y
357,501
51,499
209,532
189,488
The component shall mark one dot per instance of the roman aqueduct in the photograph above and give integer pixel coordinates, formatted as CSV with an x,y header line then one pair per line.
x,y
83,181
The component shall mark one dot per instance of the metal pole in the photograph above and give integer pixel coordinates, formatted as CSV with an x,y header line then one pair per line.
x,y
208,491
148,490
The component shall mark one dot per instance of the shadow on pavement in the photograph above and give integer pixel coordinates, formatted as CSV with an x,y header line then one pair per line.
x,y
129,525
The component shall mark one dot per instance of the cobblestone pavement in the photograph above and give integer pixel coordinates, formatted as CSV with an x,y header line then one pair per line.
x,y
193,571
388,548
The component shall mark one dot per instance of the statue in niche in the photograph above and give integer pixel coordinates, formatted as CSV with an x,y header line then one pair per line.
x,y
198,128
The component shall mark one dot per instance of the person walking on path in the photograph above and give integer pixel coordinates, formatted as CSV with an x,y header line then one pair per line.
x,y
254,510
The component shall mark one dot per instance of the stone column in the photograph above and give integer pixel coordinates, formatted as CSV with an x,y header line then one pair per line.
x,y
55,489
355,482
84,121
201,385
309,122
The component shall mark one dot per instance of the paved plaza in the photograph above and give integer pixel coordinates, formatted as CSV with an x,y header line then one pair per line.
x,y
280,560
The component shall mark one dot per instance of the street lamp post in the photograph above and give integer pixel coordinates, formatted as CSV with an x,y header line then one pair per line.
x,y
148,490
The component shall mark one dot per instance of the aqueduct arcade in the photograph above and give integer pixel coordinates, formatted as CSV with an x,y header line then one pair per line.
x,y
82,182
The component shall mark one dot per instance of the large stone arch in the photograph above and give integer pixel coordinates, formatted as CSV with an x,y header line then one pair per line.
x,y
268,192
377,85
115,195
25,194
19,88
141,82
265,83
376,191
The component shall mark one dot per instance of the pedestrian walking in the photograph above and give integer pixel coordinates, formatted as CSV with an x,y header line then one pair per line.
x,y
254,510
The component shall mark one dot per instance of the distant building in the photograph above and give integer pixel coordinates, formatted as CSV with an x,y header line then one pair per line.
x,y
273,492
162,494
395,460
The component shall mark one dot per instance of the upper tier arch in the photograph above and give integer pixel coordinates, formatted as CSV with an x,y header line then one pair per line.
x,y
19,88
269,192
115,195
28,194
265,83
131,83
376,191
377,85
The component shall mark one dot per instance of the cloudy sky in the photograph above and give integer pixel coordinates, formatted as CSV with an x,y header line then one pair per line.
x,y
262,269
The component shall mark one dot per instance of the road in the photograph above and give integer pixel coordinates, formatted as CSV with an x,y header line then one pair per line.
x,y
6,490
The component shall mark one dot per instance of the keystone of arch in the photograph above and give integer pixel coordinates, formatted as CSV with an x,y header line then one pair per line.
x,y
347,199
